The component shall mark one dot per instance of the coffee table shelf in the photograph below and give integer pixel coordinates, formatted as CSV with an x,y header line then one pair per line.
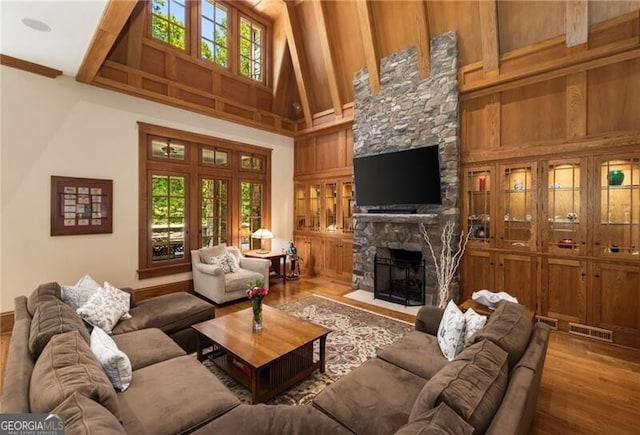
x,y
265,362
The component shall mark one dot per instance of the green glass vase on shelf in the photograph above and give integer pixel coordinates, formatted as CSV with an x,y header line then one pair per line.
x,y
255,293
615,178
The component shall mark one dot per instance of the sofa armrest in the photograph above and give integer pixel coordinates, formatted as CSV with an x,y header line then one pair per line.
x,y
428,319
209,269
255,264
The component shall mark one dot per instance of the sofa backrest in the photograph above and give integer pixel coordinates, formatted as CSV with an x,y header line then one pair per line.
x,y
518,407
20,363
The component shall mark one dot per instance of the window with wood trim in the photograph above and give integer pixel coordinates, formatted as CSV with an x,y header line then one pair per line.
x,y
196,191
168,22
251,49
214,32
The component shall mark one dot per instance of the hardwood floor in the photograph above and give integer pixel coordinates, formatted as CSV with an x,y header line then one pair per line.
x,y
587,387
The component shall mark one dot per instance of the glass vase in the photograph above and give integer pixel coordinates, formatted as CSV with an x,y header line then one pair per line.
x,y
256,305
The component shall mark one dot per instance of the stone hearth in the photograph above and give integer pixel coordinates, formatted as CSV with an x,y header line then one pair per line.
x,y
408,112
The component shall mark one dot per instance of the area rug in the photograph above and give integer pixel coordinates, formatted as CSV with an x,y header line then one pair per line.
x,y
356,336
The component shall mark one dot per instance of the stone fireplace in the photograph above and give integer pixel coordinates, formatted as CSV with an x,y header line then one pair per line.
x,y
408,112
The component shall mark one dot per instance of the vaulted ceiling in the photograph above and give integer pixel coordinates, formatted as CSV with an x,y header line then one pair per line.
x,y
318,46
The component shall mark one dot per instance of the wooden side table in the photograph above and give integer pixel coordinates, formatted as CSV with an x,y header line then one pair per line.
x,y
278,262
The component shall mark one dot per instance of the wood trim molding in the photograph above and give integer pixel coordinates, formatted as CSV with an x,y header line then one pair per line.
x,y
325,47
31,67
115,16
296,58
369,44
6,322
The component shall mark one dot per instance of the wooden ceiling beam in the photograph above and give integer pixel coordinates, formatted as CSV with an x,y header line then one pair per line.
x,y
369,44
327,56
577,16
424,39
279,52
296,58
115,16
489,35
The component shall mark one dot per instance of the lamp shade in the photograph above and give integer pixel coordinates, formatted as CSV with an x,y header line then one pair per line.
x,y
262,233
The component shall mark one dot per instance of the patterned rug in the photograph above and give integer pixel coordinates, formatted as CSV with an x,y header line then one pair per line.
x,y
356,336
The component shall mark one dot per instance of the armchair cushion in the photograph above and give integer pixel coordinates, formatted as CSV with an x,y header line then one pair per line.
x,y
214,251
239,279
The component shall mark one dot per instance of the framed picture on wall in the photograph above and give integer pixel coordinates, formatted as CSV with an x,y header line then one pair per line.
x,y
81,206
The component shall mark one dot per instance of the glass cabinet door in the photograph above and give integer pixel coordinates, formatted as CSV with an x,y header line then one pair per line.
x,y
330,204
479,186
518,206
346,201
618,233
300,206
565,214
314,207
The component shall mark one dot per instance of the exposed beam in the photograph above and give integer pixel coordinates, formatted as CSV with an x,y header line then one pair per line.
x,y
369,44
577,22
287,15
489,34
115,15
31,67
424,40
279,52
327,57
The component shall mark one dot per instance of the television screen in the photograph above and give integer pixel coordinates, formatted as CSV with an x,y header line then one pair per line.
x,y
401,177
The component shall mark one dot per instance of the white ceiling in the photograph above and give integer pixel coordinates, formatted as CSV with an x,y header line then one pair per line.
x,y
72,22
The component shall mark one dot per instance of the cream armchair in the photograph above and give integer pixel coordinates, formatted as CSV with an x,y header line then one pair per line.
x,y
212,282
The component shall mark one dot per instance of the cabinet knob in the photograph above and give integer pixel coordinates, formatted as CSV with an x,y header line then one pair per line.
x,y
597,243
583,274
597,275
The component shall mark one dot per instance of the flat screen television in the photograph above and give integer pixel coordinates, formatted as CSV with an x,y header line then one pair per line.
x,y
397,178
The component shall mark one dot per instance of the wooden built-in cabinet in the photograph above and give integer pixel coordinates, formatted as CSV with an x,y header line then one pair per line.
x,y
561,235
323,203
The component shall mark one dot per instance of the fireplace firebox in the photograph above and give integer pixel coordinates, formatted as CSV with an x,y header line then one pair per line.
x,y
399,276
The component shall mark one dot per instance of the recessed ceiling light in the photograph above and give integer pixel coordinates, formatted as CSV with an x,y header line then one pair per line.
x,y
36,24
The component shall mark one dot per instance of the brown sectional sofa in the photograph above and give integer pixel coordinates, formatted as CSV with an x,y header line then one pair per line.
x,y
409,388
171,391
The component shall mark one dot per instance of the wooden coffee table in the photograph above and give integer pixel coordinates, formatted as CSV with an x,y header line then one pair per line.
x,y
265,362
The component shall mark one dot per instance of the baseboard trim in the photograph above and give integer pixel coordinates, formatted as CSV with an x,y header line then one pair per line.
x,y
163,289
7,319
6,322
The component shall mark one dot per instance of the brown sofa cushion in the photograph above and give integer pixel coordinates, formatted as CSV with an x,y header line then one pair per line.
x,y
374,398
173,396
50,318
44,292
472,385
83,416
440,420
169,313
274,419
147,346
416,352
510,328
65,366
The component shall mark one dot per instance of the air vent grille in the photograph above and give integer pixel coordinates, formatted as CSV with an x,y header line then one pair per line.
x,y
549,321
591,332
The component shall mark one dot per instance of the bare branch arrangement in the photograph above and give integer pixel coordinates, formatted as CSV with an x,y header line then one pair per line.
x,y
448,261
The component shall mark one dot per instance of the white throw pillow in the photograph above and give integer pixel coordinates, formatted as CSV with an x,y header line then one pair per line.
x,y
227,262
115,363
491,299
77,295
451,331
474,323
105,308
232,262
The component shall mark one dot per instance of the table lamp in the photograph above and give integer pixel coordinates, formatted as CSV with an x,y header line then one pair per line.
x,y
262,234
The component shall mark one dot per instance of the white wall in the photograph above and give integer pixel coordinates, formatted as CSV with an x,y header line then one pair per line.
x,y
62,127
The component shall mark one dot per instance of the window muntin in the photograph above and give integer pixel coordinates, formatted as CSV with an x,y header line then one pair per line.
x,y
214,200
202,209
252,162
168,18
167,149
251,49
215,156
168,207
214,33
251,205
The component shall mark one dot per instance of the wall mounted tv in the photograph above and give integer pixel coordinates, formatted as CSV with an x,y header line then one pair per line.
x,y
396,178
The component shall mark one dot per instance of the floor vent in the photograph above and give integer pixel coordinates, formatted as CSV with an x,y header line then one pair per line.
x,y
549,321
591,332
